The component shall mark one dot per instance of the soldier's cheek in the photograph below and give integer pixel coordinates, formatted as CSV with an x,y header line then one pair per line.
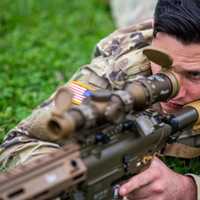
x,y
155,68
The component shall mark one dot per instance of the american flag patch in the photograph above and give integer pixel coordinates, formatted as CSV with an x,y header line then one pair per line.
x,y
80,91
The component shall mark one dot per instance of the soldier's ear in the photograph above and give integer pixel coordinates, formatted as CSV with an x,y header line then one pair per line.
x,y
62,100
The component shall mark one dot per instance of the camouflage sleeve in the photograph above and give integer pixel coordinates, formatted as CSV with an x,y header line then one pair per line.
x,y
20,149
118,58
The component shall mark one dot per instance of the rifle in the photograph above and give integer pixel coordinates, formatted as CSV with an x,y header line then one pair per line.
x,y
110,137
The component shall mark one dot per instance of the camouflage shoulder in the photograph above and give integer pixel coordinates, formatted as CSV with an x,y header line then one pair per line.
x,y
107,44
19,149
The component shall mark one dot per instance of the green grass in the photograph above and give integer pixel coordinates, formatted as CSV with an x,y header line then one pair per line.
x,y
42,43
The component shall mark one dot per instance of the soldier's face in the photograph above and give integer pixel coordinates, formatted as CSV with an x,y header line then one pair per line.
x,y
186,66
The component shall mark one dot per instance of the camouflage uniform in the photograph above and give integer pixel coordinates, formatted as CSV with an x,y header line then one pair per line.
x,y
117,59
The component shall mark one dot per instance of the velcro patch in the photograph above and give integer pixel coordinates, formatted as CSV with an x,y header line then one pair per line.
x,y
80,91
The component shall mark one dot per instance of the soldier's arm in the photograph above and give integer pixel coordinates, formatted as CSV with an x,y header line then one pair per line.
x,y
118,58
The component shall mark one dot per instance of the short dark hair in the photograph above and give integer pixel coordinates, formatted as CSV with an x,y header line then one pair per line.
x,y
178,18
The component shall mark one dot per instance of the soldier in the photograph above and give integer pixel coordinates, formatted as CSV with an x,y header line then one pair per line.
x,y
118,59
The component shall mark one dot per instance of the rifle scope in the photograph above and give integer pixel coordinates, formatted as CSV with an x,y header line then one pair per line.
x,y
112,106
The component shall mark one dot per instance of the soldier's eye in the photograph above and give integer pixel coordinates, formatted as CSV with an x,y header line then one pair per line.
x,y
194,75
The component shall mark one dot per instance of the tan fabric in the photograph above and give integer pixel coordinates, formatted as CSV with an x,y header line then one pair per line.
x,y
181,151
23,150
197,181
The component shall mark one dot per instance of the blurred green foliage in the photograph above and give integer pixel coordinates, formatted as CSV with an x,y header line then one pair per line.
x,y
183,166
42,43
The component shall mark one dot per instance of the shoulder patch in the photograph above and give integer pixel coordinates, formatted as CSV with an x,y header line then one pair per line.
x,y
80,91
